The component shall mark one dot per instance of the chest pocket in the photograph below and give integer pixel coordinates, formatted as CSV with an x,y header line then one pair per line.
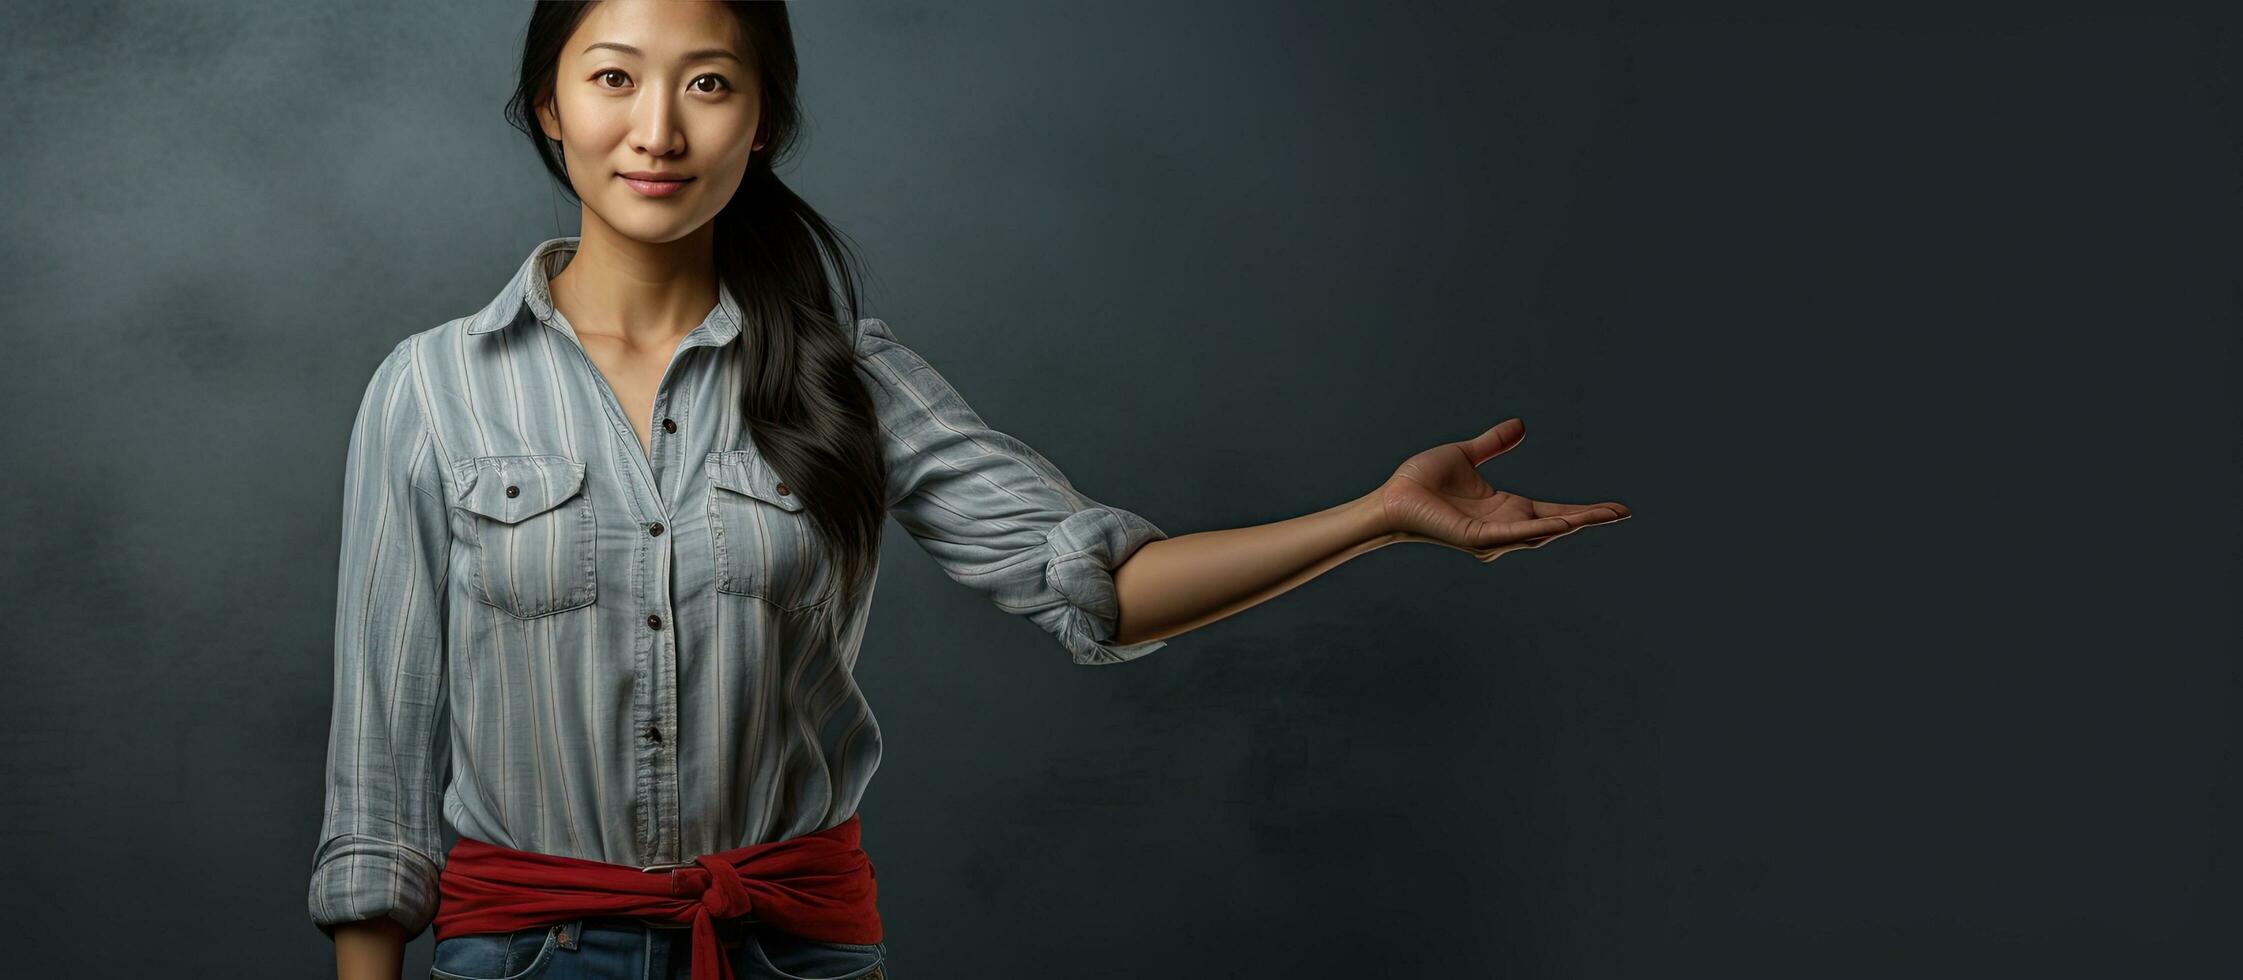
x,y
765,545
532,533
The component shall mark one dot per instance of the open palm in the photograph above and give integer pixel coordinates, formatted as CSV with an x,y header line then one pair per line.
x,y
1438,496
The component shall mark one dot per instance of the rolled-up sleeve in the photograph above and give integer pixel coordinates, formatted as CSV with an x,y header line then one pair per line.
x,y
379,844
995,514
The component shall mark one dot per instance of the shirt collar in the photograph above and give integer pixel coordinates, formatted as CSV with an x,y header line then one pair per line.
x,y
529,296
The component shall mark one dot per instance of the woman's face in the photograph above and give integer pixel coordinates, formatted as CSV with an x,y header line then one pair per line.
x,y
685,102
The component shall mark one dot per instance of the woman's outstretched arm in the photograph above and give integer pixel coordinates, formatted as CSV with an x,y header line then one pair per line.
x,y
1175,584
1179,584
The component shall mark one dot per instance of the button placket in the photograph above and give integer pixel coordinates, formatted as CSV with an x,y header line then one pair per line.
x,y
663,628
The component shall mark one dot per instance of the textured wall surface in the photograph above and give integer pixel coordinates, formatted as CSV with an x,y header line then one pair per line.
x,y
1908,332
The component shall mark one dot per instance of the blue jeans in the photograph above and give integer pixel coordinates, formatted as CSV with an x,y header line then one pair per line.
x,y
617,948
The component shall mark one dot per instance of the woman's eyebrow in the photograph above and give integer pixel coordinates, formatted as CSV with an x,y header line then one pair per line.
x,y
688,56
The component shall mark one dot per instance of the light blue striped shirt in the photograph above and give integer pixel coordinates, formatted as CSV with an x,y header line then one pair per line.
x,y
573,648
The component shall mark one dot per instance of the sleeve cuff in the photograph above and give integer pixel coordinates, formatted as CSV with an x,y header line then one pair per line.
x,y
357,877
1086,548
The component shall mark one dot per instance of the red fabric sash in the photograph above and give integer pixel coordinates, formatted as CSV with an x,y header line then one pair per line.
x,y
818,886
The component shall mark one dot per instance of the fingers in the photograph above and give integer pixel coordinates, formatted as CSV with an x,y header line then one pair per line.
x,y
1490,539
1616,511
1545,528
1494,533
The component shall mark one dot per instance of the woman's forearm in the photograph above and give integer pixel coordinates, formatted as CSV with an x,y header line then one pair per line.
x,y
373,949
1182,583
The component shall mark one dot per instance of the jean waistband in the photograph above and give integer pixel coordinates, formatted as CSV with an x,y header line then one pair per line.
x,y
629,922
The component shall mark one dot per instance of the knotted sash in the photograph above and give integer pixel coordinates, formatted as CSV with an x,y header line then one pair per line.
x,y
818,886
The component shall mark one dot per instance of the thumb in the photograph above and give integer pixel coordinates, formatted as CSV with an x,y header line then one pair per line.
x,y
1497,440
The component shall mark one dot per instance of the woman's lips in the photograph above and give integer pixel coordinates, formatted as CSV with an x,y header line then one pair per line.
x,y
656,188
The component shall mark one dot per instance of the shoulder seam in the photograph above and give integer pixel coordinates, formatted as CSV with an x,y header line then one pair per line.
x,y
411,346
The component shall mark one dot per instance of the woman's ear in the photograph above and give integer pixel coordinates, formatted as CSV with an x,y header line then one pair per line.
x,y
548,120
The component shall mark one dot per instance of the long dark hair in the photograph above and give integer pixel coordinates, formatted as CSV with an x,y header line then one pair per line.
x,y
803,403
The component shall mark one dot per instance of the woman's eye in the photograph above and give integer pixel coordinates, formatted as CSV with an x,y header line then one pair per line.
x,y
719,79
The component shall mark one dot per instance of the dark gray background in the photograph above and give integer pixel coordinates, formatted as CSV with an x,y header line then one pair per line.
x,y
1909,332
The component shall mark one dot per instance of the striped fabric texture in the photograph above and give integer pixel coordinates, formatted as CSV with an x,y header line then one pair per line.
x,y
561,643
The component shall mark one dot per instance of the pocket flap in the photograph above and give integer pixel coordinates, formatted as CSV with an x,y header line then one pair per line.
x,y
745,471
509,489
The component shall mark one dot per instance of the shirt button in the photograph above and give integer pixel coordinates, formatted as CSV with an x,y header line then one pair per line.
x,y
653,733
669,426
783,491
655,530
654,621
513,491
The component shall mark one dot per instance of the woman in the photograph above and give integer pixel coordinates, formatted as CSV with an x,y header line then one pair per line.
x,y
609,545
